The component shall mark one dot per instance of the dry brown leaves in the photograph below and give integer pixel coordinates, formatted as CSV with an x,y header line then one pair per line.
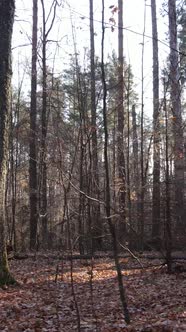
x,y
156,301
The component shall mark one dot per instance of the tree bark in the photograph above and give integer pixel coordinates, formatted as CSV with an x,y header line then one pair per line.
x,y
33,135
156,128
107,180
120,141
7,9
177,118
97,228
43,204
168,230
135,148
43,166
128,160
142,184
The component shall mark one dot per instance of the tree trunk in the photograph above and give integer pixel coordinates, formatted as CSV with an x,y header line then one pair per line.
x,y
43,166
7,9
168,231
120,142
136,166
95,175
14,150
81,196
142,184
177,118
156,129
128,161
43,203
107,180
33,136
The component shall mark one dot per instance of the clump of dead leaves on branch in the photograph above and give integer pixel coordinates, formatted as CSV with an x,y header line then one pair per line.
x,y
56,294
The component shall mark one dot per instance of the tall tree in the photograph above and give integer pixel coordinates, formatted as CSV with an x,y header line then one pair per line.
x,y
135,148
95,173
177,117
120,128
43,162
33,136
156,128
7,9
44,124
142,184
107,177
168,233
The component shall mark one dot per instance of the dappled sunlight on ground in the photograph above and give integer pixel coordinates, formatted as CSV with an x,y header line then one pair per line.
x,y
44,300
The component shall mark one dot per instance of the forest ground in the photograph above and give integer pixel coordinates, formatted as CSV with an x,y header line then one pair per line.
x,y
45,298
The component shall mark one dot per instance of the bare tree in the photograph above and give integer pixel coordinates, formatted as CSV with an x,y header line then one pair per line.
x,y
107,178
120,128
135,148
43,158
168,231
95,172
33,137
156,128
142,194
7,9
177,117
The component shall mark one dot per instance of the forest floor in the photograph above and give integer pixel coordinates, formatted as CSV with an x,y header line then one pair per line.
x,y
49,297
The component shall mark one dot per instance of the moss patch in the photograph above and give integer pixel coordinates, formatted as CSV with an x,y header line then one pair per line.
x,y
6,279
5,276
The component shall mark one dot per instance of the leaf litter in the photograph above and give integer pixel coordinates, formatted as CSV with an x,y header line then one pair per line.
x,y
44,301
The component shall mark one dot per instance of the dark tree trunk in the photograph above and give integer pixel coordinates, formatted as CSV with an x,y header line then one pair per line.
x,y
120,138
33,135
128,161
177,118
43,166
43,203
14,150
7,9
107,180
142,184
81,196
95,174
168,231
156,129
136,166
